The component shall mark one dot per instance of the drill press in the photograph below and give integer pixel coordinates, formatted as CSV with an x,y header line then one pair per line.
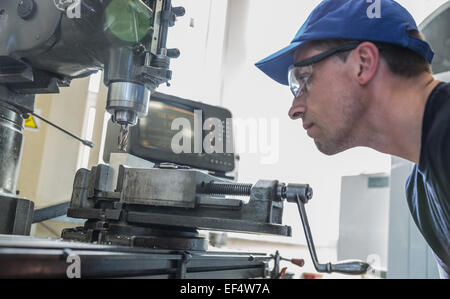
x,y
46,44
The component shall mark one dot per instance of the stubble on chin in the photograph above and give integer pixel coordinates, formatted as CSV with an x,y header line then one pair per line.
x,y
332,144
326,148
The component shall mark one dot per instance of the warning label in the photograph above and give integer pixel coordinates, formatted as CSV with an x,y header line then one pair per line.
x,y
30,122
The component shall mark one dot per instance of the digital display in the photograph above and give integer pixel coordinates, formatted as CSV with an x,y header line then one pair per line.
x,y
179,131
156,129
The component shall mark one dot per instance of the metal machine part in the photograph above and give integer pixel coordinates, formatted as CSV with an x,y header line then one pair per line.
x,y
26,257
278,273
299,194
127,102
45,44
16,215
53,46
349,267
84,142
163,208
125,38
11,143
148,216
123,138
23,105
50,212
112,35
436,30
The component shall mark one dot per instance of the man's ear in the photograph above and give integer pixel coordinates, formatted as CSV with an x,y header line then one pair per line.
x,y
368,59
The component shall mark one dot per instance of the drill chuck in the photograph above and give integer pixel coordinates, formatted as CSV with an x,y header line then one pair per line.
x,y
127,102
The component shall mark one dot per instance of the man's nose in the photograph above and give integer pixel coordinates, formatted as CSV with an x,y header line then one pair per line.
x,y
298,108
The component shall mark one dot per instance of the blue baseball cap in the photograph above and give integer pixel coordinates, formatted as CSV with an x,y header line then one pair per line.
x,y
388,22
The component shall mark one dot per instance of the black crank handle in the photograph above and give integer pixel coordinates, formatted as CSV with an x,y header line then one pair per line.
x,y
350,267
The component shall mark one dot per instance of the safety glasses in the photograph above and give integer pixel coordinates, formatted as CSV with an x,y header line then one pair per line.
x,y
298,79
300,72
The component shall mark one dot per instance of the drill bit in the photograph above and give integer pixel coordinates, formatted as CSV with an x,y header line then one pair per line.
x,y
123,137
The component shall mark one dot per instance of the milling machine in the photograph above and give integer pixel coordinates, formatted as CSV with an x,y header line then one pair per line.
x,y
47,43
141,217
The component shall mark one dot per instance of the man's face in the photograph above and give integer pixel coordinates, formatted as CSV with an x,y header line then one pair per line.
x,y
331,107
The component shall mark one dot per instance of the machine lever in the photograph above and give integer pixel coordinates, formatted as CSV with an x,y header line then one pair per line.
x,y
28,111
348,267
85,142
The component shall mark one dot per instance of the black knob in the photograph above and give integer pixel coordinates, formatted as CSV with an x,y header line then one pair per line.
x,y
179,11
173,53
26,8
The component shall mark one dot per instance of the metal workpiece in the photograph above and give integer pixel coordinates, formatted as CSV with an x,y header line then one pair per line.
x,y
121,158
11,143
160,187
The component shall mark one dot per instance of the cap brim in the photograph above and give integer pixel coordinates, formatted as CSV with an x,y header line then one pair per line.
x,y
276,65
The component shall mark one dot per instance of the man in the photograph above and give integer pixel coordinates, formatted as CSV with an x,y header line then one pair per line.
x,y
364,80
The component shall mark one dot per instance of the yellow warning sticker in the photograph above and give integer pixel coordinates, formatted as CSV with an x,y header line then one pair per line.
x,y
30,122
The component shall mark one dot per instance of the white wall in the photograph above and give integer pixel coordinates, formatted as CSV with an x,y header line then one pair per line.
x,y
364,219
50,156
199,35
